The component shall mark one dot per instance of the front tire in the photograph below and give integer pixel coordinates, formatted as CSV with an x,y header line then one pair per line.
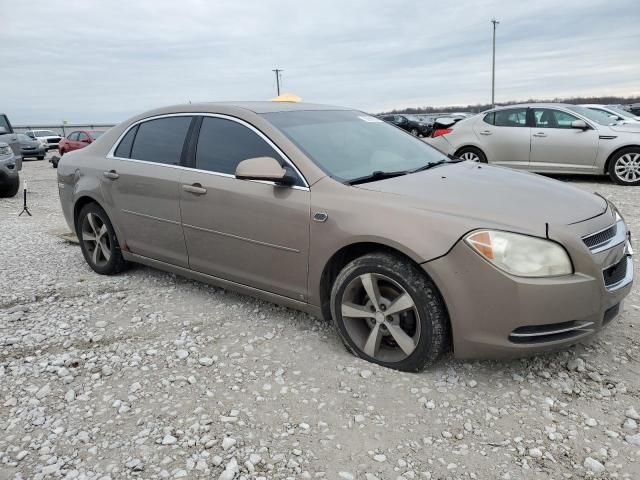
x,y
98,241
387,311
414,132
624,167
10,189
472,154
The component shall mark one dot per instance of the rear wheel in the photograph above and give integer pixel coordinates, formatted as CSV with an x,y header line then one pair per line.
x,y
98,241
388,312
624,167
10,187
472,154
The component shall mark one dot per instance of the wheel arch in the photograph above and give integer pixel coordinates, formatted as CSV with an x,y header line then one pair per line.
x,y
470,145
614,153
350,252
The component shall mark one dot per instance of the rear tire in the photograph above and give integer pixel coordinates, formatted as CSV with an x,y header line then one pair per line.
x,y
624,167
10,189
98,241
406,328
472,154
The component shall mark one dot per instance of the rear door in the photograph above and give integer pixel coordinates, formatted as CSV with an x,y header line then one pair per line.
x,y
505,137
250,232
556,146
143,185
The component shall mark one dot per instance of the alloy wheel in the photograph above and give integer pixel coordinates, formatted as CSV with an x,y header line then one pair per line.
x,y
470,156
627,167
380,317
96,239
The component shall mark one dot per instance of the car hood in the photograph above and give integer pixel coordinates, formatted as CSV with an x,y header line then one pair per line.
x,y
630,127
500,196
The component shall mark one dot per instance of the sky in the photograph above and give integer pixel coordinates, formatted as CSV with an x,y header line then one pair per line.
x,y
103,61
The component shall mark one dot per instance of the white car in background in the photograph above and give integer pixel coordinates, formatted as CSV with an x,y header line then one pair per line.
x,y
616,113
548,138
48,138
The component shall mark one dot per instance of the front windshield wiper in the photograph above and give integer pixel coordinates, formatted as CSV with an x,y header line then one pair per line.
x,y
435,164
377,175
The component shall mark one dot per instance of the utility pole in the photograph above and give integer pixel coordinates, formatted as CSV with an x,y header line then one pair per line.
x,y
278,72
493,65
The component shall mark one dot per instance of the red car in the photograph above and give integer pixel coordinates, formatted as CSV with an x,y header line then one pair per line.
x,y
77,140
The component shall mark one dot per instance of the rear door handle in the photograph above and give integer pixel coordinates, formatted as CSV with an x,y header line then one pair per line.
x,y
540,134
486,132
112,174
195,188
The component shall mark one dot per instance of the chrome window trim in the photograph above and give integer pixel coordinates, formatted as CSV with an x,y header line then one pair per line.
x,y
111,153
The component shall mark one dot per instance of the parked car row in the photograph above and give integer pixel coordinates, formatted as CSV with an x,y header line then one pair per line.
x,y
548,138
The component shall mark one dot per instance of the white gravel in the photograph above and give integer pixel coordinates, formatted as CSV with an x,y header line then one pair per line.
x,y
148,375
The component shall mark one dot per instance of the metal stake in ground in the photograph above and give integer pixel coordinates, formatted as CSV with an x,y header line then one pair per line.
x,y
24,205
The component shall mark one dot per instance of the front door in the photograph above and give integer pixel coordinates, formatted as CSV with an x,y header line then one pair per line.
x,y
143,184
555,145
504,137
249,232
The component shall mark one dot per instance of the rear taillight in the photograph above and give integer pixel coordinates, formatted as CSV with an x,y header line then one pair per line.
x,y
442,131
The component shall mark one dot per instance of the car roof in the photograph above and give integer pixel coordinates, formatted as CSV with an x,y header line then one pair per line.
x,y
255,107
534,105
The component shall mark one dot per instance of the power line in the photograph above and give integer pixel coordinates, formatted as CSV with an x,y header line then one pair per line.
x,y
493,64
278,72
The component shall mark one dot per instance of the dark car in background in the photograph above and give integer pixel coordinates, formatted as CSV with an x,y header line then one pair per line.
x,y
77,140
411,125
30,147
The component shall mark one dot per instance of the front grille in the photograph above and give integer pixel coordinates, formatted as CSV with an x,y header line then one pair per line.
x,y
550,332
599,238
52,140
616,273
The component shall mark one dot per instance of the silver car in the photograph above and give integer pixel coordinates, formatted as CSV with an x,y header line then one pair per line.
x,y
548,138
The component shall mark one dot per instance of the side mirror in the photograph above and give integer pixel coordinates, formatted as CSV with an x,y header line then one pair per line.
x,y
581,124
263,168
86,140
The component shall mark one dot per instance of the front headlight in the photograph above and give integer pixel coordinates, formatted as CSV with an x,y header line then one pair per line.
x,y
6,150
520,255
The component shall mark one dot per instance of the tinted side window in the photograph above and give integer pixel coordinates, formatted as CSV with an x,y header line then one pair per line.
x,y
514,117
82,136
223,144
490,118
161,140
74,137
124,148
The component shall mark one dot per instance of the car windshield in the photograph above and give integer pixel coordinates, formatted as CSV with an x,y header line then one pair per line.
x,y
4,123
349,145
44,133
619,111
24,138
95,134
597,116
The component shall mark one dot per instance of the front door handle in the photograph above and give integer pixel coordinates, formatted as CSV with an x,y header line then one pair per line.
x,y
540,134
486,132
194,188
112,174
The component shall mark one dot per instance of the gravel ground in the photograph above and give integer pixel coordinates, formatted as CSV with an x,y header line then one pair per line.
x,y
150,375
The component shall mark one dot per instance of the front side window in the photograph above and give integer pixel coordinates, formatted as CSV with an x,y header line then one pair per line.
x,y
73,136
550,118
223,144
4,123
161,140
82,137
348,144
513,117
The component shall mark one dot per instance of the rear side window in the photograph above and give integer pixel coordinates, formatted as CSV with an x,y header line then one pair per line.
x,y
223,144
124,148
513,117
490,118
161,140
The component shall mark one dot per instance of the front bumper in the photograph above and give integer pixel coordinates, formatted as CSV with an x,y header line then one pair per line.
x,y
496,315
37,152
